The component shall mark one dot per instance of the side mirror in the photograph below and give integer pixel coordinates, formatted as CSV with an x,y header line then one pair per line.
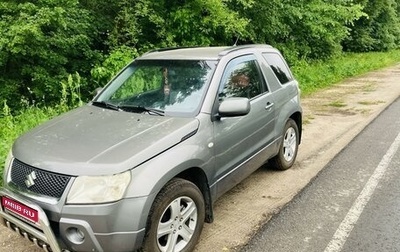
x,y
235,106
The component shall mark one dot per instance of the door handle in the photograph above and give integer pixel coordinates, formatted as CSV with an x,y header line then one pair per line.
x,y
269,105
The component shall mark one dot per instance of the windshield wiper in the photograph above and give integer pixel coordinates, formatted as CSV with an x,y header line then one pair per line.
x,y
130,108
141,109
105,104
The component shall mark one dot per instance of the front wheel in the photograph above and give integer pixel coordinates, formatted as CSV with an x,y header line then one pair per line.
x,y
288,148
176,218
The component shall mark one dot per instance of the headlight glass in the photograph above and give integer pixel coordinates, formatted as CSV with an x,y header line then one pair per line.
x,y
98,189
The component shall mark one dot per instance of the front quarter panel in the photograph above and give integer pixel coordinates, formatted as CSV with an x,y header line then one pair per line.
x,y
150,177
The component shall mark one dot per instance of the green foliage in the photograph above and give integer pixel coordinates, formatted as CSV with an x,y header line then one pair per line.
x,y
70,93
216,23
112,64
302,28
320,74
146,24
379,30
41,43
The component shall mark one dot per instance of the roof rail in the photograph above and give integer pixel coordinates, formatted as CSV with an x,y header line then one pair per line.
x,y
239,47
222,53
170,49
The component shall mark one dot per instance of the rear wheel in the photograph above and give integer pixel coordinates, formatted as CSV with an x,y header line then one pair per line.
x,y
176,218
288,148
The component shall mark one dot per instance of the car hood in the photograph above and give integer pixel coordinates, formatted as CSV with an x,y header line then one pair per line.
x,y
95,141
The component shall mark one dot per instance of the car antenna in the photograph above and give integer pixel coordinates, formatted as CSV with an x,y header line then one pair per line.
x,y
237,39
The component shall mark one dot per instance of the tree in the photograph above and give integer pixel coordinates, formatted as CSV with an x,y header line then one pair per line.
x,y
379,30
146,24
302,28
42,43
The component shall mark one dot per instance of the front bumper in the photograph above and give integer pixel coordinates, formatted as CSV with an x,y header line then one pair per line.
x,y
117,226
41,233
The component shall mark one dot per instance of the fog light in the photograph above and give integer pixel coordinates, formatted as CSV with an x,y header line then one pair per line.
x,y
75,235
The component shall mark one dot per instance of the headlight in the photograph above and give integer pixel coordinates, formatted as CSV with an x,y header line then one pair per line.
x,y
98,189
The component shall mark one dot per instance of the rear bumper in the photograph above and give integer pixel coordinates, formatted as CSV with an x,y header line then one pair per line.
x,y
117,226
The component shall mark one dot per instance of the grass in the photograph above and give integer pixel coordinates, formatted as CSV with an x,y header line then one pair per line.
x,y
321,74
337,104
311,76
370,102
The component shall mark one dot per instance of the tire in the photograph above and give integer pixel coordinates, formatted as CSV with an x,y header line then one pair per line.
x,y
176,218
288,148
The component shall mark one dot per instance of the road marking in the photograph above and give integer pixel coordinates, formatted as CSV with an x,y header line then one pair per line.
x,y
343,232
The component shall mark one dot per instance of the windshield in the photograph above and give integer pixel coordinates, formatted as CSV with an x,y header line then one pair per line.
x,y
172,86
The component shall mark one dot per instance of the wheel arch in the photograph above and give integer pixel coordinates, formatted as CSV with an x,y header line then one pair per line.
x,y
199,178
297,117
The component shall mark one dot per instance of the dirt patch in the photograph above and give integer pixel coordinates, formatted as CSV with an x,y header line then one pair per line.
x,y
343,99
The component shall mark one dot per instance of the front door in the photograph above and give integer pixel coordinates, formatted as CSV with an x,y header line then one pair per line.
x,y
236,139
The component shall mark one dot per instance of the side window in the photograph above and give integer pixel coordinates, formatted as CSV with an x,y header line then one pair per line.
x,y
279,67
242,78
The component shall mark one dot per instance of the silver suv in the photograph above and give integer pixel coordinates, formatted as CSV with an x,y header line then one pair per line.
x,y
141,165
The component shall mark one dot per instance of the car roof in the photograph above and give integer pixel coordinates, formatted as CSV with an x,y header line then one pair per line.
x,y
198,53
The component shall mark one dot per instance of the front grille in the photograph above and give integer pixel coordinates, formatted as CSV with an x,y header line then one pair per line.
x,y
38,181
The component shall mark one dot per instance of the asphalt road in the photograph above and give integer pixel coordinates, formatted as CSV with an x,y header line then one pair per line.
x,y
352,204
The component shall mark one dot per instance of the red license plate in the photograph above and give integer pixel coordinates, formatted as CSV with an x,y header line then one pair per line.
x,y
20,209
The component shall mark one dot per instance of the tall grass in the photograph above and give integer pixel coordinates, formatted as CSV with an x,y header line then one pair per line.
x,y
312,77
320,74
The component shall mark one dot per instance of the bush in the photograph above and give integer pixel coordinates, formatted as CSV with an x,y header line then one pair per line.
x,y
378,30
301,29
42,42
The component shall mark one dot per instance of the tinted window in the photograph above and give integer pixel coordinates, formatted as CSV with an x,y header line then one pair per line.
x,y
279,67
242,79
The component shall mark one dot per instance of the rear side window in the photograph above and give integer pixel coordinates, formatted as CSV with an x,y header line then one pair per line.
x,y
279,67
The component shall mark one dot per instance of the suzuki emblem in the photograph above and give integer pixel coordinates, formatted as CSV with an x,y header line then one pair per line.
x,y
30,179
